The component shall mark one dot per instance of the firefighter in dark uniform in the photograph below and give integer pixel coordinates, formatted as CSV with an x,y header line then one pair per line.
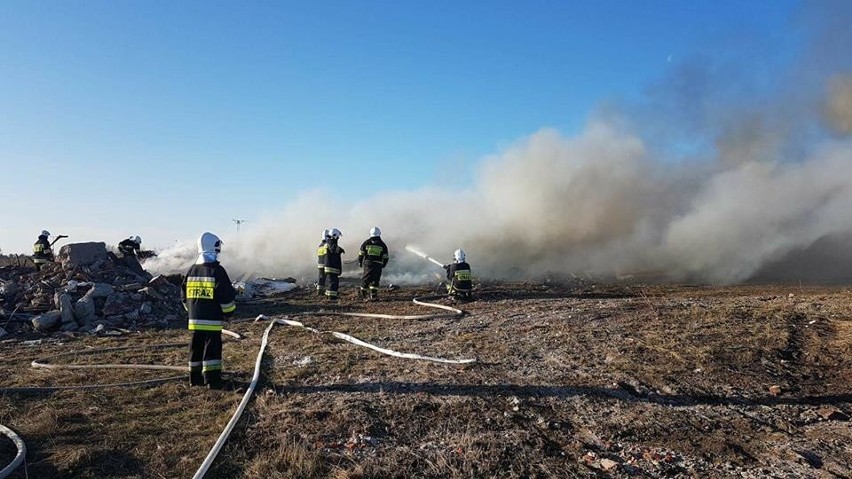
x,y
373,257
333,264
130,246
129,250
322,248
459,282
209,298
42,250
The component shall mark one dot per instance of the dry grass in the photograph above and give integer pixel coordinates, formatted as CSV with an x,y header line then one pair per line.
x,y
665,381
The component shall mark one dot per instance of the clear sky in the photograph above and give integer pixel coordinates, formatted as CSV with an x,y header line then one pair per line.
x,y
167,118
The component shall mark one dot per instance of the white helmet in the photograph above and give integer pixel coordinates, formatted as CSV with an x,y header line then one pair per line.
x,y
458,255
325,234
45,233
136,239
375,231
335,233
209,243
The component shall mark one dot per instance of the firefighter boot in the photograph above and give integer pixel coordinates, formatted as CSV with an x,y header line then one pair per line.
x,y
196,378
213,379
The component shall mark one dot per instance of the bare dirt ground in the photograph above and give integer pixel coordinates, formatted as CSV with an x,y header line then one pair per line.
x,y
572,380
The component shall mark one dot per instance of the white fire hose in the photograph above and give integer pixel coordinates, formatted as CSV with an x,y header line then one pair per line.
x,y
208,461
19,457
43,363
211,456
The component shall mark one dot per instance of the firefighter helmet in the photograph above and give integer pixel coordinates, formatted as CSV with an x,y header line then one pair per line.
x,y
45,233
335,233
208,242
325,234
136,239
458,255
375,232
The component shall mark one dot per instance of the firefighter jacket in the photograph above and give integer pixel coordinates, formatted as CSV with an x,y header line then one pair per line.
x,y
374,250
333,261
128,247
459,276
322,250
208,296
42,252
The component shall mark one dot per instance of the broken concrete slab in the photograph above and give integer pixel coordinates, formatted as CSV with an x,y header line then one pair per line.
x,y
100,290
84,310
47,321
66,308
82,254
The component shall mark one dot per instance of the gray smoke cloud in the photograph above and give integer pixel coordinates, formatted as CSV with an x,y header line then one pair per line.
x,y
714,179
594,204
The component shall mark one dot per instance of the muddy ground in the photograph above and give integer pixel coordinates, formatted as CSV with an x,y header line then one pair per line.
x,y
571,380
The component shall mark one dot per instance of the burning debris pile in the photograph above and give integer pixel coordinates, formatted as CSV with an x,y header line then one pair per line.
x,y
87,290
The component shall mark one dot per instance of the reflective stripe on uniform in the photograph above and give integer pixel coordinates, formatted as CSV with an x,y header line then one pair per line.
x,y
463,275
204,325
40,261
331,293
194,364
332,270
212,365
228,308
200,287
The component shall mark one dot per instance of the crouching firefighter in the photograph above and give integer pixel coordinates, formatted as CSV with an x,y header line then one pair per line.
x,y
322,250
208,297
459,283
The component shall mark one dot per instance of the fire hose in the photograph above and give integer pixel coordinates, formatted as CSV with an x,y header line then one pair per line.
x,y
214,451
44,363
21,454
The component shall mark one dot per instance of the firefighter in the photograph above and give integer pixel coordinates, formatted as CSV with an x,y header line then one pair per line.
x,y
373,256
129,249
322,248
333,264
458,276
42,250
130,246
208,297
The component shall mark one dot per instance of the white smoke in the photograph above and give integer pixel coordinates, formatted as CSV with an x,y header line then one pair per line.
x,y
594,204
711,184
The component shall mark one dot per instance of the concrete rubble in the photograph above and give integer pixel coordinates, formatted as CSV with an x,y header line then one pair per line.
x,y
87,290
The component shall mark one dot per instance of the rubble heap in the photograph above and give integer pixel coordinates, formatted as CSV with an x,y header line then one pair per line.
x,y
88,290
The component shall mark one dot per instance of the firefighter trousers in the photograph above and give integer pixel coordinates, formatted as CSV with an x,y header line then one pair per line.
x,y
321,279
370,278
333,285
205,359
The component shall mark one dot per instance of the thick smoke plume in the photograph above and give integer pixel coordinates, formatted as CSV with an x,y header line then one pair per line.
x,y
705,183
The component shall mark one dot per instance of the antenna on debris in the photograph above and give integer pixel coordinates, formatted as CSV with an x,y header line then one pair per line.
x,y
238,222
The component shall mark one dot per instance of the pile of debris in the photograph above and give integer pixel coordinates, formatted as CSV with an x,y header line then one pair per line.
x,y
87,290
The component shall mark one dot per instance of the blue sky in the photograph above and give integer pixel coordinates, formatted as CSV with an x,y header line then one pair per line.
x,y
164,118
